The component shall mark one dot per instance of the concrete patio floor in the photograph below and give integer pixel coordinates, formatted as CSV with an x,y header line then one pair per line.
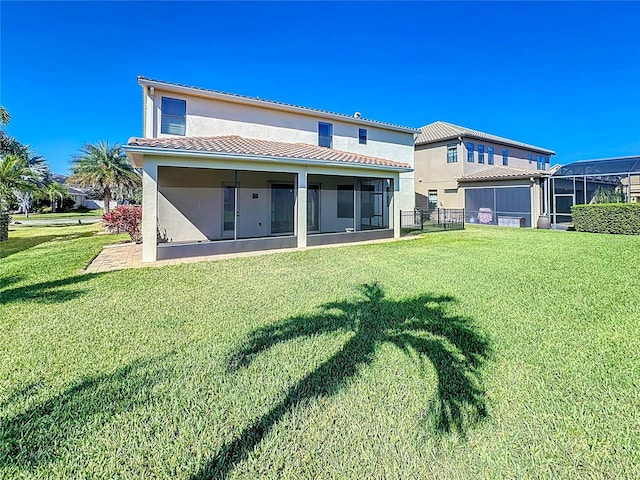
x,y
129,255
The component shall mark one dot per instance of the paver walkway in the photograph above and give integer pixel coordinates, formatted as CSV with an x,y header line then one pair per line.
x,y
129,255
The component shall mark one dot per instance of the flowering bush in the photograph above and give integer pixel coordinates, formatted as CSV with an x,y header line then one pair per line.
x,y
125,218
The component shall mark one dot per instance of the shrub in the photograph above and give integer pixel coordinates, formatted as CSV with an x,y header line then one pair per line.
x,y
623,218
605,195
125,218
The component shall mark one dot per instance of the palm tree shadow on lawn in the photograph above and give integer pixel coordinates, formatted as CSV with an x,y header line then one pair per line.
x,y
419,326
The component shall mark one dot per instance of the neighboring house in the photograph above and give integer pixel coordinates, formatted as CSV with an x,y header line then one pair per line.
x,y
79,196
497,180
228,173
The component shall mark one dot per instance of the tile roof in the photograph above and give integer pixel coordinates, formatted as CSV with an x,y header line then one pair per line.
x,y
503,173
438,131
273,103
232,144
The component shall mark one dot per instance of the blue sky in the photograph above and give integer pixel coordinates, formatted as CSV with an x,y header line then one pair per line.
x,y
563,76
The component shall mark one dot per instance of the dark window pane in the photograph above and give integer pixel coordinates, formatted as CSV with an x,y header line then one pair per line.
x,y
345,201
325,134
174,106
173,119
362,136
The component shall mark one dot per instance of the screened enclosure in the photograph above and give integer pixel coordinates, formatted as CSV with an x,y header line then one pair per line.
x,y
503,206
593,181
241,210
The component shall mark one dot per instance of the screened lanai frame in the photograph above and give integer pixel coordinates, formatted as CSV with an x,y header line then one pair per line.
x,y
575,184
203,210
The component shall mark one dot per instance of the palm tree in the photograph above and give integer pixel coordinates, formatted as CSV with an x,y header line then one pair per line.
x,y
56,191
104,168
5,118
15,174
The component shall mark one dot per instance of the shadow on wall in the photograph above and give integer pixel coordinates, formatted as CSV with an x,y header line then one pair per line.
x,y
422,201
418,325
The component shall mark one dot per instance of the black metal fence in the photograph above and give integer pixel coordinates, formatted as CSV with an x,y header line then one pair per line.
x,y
431,220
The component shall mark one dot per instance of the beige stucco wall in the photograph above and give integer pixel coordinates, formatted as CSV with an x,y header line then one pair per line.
x,y
517,156
432,172
213,117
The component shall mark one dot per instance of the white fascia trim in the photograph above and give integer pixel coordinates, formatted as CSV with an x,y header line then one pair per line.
x,y
273,105
259,158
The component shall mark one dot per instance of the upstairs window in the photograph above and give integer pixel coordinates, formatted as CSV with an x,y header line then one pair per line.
x,y
480,153
174,116
505,156
490,155
530,158
538,162
325,134
470,152
452,153
362,136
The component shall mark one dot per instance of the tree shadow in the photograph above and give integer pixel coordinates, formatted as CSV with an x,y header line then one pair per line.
x,y
419,326
46,292
16,245
39,435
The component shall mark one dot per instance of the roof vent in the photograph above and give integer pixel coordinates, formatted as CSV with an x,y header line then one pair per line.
x,y
357,115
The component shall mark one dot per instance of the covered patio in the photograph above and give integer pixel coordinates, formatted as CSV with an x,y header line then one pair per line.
x,y
200,199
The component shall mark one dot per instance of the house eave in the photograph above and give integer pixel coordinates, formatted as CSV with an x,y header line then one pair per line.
x,y
478,137
136,155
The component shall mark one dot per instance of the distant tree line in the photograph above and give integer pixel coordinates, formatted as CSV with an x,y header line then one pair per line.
x,y
100,170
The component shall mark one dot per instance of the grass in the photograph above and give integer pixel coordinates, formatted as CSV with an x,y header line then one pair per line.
x,y
51,216
484,353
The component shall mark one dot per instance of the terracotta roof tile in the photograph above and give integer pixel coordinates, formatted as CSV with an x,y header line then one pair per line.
x,y
232,144
438,131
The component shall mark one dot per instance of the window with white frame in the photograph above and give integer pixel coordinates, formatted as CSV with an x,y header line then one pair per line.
x,y
470,152
452,153
325,134
480,153
505,156
174,116
490,155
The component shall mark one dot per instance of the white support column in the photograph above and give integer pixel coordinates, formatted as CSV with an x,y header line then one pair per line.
x,y
149,113
395,206
149,212
301,204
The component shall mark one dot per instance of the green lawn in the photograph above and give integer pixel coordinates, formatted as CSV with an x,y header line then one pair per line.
x,y
51,216
484,353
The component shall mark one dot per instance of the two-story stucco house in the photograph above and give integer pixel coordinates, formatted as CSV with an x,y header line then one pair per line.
x,y
497,180
227,173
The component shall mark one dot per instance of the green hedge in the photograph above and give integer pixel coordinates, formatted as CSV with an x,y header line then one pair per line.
x,y
623,218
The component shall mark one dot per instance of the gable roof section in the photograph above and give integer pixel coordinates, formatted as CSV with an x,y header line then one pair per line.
x,y
236,98
503,173
439,131
232,145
